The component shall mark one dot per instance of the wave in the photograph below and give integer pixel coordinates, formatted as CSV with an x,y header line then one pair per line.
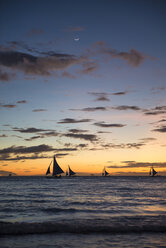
x,y
117,225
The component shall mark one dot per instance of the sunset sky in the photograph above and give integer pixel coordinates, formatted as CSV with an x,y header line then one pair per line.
x,y
85,81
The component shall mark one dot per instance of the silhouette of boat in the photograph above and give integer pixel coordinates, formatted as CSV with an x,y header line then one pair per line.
x,y
104,173
69,172
152,172
56,171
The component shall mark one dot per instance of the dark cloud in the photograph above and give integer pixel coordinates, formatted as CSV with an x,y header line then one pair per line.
x,y
87,137
39,110
126,107
38,65
25,149
8,106
161,129
61,155
123,146
3,136
15,152
30,130
22,101
34,138
44,135
70,120
77,131
100,96
103,124
120,93
156,111
133,164
91,109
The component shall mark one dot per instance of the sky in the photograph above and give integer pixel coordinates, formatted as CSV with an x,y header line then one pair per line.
x,y
85,81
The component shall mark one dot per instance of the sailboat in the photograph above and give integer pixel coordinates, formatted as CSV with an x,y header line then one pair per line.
x,y
57,171
152,172
69,172
104,173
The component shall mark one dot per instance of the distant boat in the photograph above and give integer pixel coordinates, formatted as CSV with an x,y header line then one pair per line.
x,y
152,172
56,171
104,173
10,174
69,172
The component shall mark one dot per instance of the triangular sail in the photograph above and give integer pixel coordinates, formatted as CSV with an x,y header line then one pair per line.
x,y
71,173
48,170
154,172
104,173
56,168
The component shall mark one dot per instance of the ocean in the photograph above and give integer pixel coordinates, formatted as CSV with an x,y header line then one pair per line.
x,y
88,212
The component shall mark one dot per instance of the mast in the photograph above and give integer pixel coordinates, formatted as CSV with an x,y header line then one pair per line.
x,y
56,168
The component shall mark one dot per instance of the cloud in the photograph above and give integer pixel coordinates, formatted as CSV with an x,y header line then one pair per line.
x,y
161,129
156,111
3,136
87,137
103,124
8,106
25,149
22,101
17,151
90,109
120,93
123,145
126,107
38,65
89,67
133,57
100,96
30,130
133,164
39,110
70,121
77,131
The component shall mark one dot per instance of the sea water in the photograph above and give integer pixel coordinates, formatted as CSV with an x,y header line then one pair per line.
x,y
82,212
